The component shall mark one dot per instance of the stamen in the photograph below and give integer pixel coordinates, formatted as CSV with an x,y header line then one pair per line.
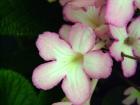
x,y
129,41
78,58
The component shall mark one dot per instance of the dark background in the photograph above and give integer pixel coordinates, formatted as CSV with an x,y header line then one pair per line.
x,y
21,21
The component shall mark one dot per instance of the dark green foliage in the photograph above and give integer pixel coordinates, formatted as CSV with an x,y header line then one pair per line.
x,y
24,17
15,89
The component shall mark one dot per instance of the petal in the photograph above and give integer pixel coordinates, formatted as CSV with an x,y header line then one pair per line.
x,y
76,85
64,32
118,33
134,32
129,67
50,46
88,16
63,2
129,100
73,14
134,28
48,75
82,38
62,103
117,12
116,50
129,91
136,48
98,64
138,101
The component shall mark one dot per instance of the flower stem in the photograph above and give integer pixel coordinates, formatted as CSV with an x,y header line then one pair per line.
x,y
131,57
94,84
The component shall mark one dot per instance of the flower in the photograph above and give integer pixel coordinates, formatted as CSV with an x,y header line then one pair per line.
x,y
120,12
127,43
133,95
93,15
73,62
89,15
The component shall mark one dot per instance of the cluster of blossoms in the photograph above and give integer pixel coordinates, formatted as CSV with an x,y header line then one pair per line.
x,y
82,53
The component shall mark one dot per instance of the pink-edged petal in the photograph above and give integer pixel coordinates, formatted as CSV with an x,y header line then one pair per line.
x,y
82,38
117,12
63,2
116,50
129,67
118,33
51,47
98,64
48,75
76,85
64,32
88,16
62,103
134,28
73,13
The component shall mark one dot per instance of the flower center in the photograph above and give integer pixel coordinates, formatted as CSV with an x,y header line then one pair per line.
x,y
129,41
96,22
78,58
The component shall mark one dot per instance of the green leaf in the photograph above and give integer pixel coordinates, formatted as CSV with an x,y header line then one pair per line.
x,y
15,89
114,96
20,18
43,98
